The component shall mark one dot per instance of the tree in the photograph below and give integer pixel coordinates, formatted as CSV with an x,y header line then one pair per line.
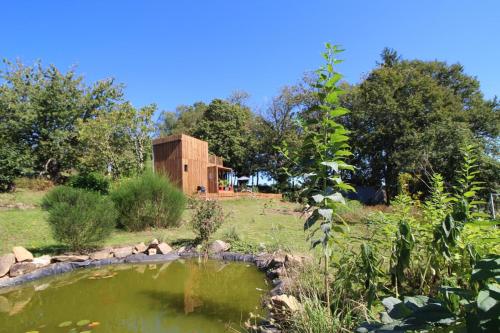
x,y
116,141
184,120
39,108
413,116
226,128
279,125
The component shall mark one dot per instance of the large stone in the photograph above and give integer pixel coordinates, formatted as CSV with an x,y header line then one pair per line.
x,y
5,262
42,261
122,252
100,255
21,268
293,260
141,247
219,246
22,254
285,303
154,243
163,248
69,258
151,252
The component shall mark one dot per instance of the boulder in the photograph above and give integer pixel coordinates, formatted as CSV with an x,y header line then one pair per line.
x,y
122,252
277,261
42,261
163,248
285,303
140,248
154,243
22,254
219,246
69,258
151,251
5,262
21,268
293,260
100,255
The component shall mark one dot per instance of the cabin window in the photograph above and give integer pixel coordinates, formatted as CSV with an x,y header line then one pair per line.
x,y
185,167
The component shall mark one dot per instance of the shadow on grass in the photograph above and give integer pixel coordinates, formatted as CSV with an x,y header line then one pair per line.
x,y
185,242
48,249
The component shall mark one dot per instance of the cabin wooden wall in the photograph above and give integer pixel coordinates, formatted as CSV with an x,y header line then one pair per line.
x,y
195,156
168,160
185,160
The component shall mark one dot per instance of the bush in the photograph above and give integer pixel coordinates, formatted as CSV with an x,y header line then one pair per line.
x,y
90,181
34,184
149,200
207,218
78,218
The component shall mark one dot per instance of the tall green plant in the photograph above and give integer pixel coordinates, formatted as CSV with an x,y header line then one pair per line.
x,y
322,157
467,188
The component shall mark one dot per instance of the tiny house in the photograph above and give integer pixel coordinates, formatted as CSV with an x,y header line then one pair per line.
x,y
186,162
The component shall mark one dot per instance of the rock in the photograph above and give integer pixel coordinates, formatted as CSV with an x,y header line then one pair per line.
x,y
277,262
21,268
151,252
164,248
5,262
218,246
22,254
70,257
182,249
154,243
122,252
389,303
285,302
276,273
292,260
100,255
141,247
42,261
385,318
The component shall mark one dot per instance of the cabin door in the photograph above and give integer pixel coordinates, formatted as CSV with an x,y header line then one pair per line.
x,y
212,179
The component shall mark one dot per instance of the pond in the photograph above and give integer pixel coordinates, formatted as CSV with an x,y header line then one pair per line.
x,y
178,296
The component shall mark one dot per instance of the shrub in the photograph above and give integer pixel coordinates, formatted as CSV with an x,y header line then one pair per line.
x,y
149,200
207,217
90,181
78,218
34,184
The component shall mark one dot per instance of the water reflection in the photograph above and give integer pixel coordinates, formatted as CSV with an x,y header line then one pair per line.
x,y
173,297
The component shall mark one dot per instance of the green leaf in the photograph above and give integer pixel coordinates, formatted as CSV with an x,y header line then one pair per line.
x,y
326,213
332,165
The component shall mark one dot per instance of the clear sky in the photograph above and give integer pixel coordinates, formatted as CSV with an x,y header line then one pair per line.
x,y
179,52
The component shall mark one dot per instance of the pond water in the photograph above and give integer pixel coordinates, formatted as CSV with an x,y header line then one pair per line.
x,y
179,296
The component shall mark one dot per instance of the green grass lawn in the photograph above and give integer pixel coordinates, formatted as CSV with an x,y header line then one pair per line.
x,y
272,223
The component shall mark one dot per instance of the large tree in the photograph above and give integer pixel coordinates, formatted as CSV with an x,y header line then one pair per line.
x,y
39,109
413,116
118,141
227,128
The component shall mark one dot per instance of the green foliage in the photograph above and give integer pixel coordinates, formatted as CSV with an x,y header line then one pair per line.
x,y
90,181
78,218
117,140
226,128
370,267
148,201
10,163
414,116
207,217
468,187
39,109
321,158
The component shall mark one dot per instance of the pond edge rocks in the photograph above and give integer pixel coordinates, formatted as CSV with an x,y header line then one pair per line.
x,y
14,272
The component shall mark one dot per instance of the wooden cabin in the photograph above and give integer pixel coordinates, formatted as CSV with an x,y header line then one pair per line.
x,y
186,161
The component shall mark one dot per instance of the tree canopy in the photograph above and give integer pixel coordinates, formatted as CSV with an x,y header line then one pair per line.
x,y
414,116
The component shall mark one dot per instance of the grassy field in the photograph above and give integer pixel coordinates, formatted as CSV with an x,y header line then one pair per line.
x,y
274,224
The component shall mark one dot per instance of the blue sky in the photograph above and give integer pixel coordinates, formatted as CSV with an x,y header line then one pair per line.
x,y
179,52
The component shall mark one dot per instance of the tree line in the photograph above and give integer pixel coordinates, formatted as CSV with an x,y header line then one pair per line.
x,y
407,116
